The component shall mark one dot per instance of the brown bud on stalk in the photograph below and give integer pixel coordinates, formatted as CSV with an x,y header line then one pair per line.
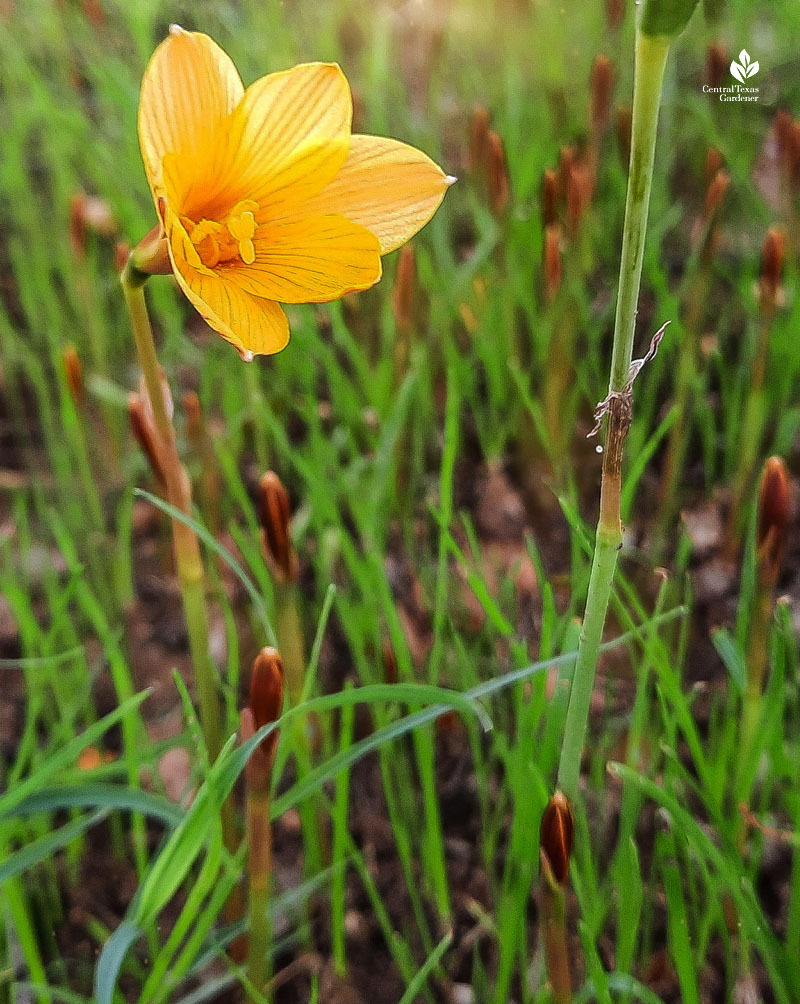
x,y
716,64
404,289
555,837
714,163
773,519
624,128
275,518
602,83
195,426
614,11
265,706
579,195
88,213
716,193
566,159
478,139
552,260
498,190
549,197
122,252
74,372
144,430
772,263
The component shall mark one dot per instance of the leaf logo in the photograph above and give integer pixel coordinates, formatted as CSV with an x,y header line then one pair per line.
x,y
744,68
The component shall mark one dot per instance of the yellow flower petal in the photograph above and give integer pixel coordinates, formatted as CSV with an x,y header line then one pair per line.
x,y
293,132
388,187
189,88
255,326
310,260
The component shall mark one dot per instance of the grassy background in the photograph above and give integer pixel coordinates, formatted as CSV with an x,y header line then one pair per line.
x,y
385,464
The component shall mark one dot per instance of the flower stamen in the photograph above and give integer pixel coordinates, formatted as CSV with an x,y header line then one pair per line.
x,y
218,243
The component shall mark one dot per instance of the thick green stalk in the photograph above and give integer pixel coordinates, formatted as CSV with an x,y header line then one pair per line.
x,y
651,57
187,549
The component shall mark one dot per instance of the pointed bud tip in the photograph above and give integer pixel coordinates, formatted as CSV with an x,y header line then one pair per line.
x,y
274,515
175,30
266,687
556,834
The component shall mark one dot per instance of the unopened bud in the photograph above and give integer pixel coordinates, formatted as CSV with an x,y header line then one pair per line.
x,y
144,430
404,288
498,191
772,262
192,409
773,518
74,372
89,214
602,83
716,193
714,163
624,128
275,518
552,260
716,64
549,197
555,836
579,194
265,706
614,11
478,139
566,158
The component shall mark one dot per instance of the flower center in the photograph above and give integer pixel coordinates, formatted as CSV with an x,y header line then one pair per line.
x,y
230,240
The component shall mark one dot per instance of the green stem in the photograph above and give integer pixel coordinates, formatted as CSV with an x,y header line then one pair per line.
x,y
651,57
187,549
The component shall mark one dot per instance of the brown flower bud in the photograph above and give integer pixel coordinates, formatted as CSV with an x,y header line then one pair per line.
x,y
549,197
579,195
716,64
404,288
716,193
498,191
144,430
555,836
566,159
602,83
478,139
773,518
275,519
624,128
552,260
192,409
89,213
772,262
614,11
265,707
74,372
714,163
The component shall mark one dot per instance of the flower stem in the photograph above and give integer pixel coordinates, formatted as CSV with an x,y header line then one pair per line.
x,y
259,842
187,549
651,57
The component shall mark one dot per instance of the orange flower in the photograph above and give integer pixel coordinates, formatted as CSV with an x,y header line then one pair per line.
x,y
263,194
